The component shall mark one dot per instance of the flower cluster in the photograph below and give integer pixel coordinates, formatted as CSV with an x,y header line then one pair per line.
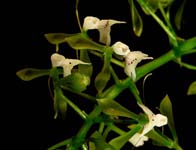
x,y
104,28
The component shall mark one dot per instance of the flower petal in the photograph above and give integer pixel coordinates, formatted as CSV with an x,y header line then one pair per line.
x,y
90,23
138,139
130,70
104,27
160,120
57,60
69,64
147,111
120,48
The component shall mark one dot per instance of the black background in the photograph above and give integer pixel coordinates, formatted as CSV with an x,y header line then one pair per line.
x,y
29,105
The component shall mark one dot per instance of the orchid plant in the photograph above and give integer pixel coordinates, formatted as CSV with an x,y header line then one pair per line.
x,y
108,115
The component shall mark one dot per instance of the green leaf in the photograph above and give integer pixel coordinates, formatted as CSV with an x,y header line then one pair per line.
x,y
159,139
28,74
192,89
112,108
166,109
178,16
136,19
85,69
76,81
80,41
99,142
166,3
153,5
103,77
121,140
57,38
60,105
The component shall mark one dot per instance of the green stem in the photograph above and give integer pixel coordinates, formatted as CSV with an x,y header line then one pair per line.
x,y
101,127
117,129
106,132
185,47
188,66
147,68
60,144
157,19
174,42
114,75
76,108
135,92
190,52
79,139
87,96
115,61
77,15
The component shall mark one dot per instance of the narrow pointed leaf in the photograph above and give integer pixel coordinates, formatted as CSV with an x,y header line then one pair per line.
x,y
57,38
166,109
103,77
192,89
85,69
159,139
179,14
112,108
121,140
136,19
28,74
80,41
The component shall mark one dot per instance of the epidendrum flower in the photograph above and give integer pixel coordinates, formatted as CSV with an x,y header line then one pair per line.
x,y
157,120
103,26
132,58
67,64
131,61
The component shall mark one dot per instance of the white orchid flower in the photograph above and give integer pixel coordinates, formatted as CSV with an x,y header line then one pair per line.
x,y
157,120
103,26
67,64
120,48
131,58
131,61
